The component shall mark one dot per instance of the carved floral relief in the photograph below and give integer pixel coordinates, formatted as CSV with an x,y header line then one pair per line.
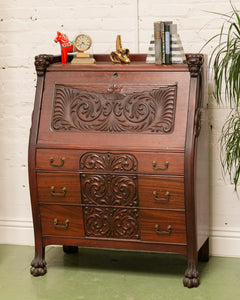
x,y
111,222
113,162
108,189
109,195
148,111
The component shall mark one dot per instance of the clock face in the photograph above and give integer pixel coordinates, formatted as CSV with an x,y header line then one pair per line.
x,y
82,42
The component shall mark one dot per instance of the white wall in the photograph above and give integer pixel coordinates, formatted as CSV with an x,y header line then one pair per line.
x,y
28,28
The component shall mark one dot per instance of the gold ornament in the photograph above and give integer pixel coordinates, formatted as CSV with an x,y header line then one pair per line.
x,y
120,55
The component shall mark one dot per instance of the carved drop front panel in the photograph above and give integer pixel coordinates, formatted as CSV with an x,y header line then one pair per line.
x,y
151,111
109,193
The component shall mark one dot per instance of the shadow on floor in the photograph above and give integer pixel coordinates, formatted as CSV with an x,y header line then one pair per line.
x,y
127,261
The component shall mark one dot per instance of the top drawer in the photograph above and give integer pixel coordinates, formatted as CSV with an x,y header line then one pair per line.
x,y
124,109
110,162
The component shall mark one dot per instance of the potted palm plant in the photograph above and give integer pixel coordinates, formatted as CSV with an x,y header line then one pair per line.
x,y
225,62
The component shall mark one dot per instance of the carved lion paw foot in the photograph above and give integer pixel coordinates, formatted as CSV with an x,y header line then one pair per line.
x,y
38,267
191,279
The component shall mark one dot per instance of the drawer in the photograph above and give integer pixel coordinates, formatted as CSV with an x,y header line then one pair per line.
x,y
160,163
162,226
61,220
110,161
58,188
57,159
157,192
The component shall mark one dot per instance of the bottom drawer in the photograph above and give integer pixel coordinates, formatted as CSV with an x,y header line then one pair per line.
x,y
61,220
163,226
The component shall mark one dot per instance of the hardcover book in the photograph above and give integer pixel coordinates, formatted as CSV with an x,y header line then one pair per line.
x,y
171,46
158,43
167,44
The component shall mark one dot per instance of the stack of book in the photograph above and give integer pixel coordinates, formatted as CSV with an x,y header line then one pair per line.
x,y
165,45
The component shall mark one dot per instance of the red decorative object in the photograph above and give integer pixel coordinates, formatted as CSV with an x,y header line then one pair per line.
x,y
66,45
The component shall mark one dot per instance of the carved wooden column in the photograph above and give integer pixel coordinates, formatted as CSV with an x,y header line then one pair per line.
x,y
194,62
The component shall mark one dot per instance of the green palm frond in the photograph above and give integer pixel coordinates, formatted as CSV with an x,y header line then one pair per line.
x,y
230,146
225,60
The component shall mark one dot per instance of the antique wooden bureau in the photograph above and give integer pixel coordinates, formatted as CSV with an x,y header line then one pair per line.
x,y
118,158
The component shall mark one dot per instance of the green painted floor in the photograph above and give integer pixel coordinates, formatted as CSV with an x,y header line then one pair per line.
x,y
93,274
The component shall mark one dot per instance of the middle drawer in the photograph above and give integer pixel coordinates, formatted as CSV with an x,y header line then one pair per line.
x,y
161,192
150,191
59,188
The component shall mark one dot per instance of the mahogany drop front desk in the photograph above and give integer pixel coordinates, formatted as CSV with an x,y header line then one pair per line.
x,y
118,158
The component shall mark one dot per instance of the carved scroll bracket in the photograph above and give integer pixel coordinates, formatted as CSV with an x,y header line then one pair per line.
x,y
197,122
195,62
42,61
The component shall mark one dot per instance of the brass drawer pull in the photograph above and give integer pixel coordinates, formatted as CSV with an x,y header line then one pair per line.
x,y
169,230
64,189
61,226
161,199
57,165
154,165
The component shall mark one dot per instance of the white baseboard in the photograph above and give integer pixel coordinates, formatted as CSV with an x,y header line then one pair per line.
x,y
223,242
16,232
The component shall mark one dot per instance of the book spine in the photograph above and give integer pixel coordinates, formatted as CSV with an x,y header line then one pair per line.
x,y
158,43
163,41
167,44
